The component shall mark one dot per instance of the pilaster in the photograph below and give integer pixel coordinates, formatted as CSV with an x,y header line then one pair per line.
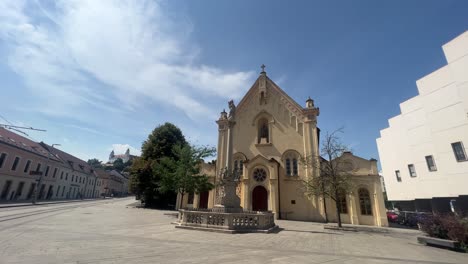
x,y
353,209
273,199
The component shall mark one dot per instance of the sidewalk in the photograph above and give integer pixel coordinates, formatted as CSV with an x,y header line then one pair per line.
x,y
373,229
29,203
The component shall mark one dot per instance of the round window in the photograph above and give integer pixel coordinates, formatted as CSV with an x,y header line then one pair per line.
x,y
259,175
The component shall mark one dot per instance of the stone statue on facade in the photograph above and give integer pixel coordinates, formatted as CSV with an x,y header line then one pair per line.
x,y
232,109
226,191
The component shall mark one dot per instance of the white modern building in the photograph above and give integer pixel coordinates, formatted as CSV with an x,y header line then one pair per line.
x,y
423,152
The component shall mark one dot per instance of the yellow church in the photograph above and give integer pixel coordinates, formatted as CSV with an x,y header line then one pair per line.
x,y
264,138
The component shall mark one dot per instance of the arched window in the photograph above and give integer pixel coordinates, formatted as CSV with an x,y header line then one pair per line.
x,y
342,201
294,161
288,167
239,166
365,202
291,164
263,131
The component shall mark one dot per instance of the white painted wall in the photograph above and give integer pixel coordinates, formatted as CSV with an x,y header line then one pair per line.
x,y
427,125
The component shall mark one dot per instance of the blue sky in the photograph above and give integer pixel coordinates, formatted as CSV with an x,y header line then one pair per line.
x,y
100,75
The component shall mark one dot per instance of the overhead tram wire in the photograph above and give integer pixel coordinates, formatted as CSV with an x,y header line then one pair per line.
x,y
11,126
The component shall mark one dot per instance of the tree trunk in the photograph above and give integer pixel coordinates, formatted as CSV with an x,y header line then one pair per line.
x,y
324,203
325,208
338,207
181,200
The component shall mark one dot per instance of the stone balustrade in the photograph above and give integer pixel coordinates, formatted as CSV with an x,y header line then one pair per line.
x,y
245,221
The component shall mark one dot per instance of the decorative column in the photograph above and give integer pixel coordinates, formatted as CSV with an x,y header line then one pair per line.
x,y
311,148
311,141
227,199
223,125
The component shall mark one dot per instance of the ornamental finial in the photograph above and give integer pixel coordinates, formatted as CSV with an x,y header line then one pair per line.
x,y
263,68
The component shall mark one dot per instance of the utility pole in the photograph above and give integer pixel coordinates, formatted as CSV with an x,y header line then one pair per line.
x,y
40,175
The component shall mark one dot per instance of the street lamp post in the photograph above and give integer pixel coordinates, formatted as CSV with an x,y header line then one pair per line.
x,y
40,176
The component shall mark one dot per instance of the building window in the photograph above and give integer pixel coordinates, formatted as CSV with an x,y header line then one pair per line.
x,y
342,202
291,164
38,167
412,170
294,167
41,192
6,190
259,174
239,166
365,202
291,167
55,173
459,151
66,176
2,159
288,167
61,175
431,163
31,191
19,190
190,198
263,131
398,176
47,171
15,163
58,191
73,176
26,167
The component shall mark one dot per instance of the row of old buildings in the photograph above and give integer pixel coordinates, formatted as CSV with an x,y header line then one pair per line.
x,y
29,168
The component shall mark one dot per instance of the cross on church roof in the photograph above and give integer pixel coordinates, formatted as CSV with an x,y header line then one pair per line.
x,y
263,68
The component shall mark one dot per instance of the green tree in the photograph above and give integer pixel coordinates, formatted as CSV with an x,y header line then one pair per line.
x,y
141,174
333,180
145,177
161,141
182,174
95,163
119,164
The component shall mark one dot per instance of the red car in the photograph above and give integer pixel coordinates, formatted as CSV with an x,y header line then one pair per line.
x,y
392,217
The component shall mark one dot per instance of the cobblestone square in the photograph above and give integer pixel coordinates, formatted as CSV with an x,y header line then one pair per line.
x,y
111,231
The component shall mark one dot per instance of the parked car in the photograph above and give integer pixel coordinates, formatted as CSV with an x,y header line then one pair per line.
x,y
411,219
392,217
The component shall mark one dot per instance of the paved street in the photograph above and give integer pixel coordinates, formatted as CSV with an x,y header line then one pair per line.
x,y
110,231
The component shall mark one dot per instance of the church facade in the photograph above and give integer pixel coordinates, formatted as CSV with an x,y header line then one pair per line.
x,y
264,138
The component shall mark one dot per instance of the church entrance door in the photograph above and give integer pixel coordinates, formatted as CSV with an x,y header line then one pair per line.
x,y
203,200
259,199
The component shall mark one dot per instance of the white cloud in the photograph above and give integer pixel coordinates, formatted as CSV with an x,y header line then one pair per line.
x,y
111,56
87,129
121,148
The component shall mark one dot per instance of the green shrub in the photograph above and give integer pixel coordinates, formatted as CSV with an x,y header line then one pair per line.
x,y
447,226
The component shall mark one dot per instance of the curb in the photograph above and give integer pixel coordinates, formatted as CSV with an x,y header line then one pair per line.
x,y
46,203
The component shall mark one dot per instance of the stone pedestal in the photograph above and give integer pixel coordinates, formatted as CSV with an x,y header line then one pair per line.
x,y
228,201
227,222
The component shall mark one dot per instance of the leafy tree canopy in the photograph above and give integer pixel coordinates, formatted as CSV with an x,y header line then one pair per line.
x,y
161,142
183,173
119,164
145,178
95,163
